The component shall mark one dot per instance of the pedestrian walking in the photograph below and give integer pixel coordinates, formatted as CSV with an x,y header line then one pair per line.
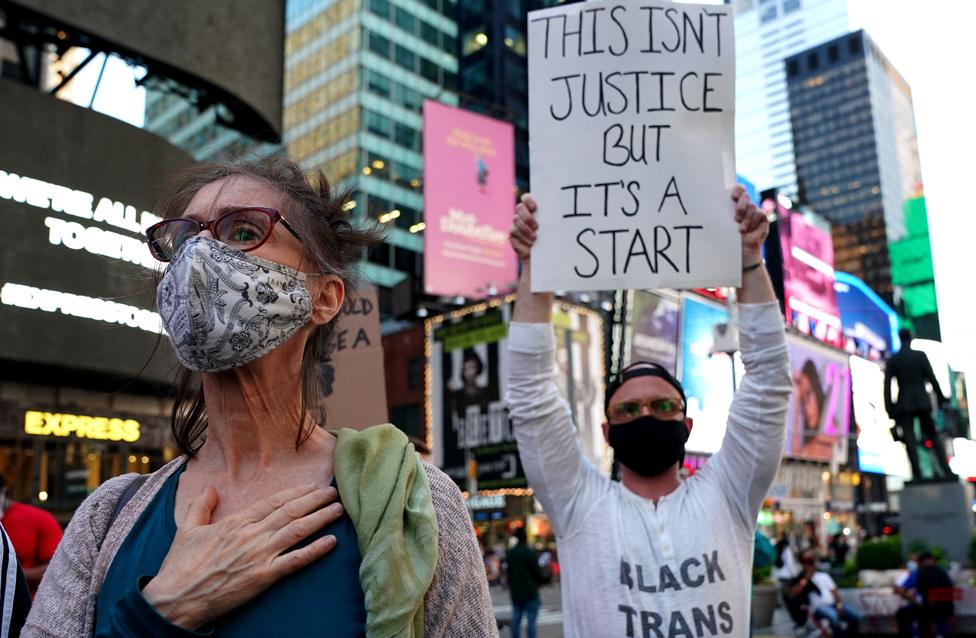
x,y
652,555
524,578
267,524
34,532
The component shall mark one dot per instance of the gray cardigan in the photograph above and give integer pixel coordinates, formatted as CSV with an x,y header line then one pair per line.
x,y
456,605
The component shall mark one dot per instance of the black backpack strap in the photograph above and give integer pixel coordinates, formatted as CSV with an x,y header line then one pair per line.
x,y
130,491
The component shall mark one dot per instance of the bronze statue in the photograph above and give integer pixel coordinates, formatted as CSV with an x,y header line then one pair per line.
x,y
911,368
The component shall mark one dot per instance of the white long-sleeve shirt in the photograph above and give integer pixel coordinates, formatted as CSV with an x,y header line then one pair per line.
x,y
630,568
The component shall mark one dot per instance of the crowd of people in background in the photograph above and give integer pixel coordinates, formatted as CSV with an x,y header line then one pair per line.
x,y
803,570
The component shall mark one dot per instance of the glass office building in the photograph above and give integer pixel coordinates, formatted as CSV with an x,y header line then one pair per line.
x,y
204,134
356,75
767,32
493,76
856,150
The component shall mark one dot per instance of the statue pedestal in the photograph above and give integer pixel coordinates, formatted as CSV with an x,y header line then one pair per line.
x,y
938,513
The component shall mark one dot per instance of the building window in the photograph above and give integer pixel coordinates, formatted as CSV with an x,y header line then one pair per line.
x,y
378,124
430,34
833,53
403,259
429,70
813,61
406,58
379,84
789,6
406,21
792,68
380,8
854,44
409,98
379,45
405,136
380,255
767,14
474,40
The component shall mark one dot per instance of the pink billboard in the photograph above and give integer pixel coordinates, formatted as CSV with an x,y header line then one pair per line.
x,y
818,416
469,181
808,277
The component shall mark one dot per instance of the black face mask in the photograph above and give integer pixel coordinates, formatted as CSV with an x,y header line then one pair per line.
x,y
647,445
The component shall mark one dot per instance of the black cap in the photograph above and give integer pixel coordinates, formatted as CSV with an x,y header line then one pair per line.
x,y
641,369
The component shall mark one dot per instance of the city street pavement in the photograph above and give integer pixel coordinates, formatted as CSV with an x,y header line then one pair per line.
x,y
550,623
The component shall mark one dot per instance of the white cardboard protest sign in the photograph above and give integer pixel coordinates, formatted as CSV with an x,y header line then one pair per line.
x,y
631,117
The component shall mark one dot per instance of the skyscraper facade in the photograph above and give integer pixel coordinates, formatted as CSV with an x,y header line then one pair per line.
x,y
203,133
767,32
356,75
493,75
856,151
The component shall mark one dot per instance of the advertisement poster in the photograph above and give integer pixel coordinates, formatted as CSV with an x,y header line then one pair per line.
x,y
357,354
808,277
580,374
818,416
707,376
876,450
470,424
469,177
653,328
631,127
468,419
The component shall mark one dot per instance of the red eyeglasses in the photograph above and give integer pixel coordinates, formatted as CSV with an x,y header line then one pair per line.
x,y
241,228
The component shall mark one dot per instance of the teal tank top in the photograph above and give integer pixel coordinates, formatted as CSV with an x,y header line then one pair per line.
x,y
323,599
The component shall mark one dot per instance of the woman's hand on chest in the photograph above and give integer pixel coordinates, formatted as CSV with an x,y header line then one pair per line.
x,y
214,566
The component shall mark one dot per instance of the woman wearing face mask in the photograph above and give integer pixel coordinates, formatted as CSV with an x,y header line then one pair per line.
x,y
267,524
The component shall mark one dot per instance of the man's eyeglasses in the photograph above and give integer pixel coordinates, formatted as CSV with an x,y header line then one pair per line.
x,y
663,409
242,228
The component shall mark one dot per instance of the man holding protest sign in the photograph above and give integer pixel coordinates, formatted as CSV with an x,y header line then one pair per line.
x,y
652,556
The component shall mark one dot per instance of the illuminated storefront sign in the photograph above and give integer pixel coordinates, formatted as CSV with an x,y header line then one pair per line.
x,y
83,427
486,502
76,203
80,306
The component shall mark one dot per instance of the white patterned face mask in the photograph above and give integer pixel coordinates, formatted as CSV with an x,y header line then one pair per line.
x,y
224,308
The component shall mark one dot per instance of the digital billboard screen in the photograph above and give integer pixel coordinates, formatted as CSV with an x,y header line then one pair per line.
x,y
865,318
706,375
653,329
469,181
808,277
76,277
818,416
877,451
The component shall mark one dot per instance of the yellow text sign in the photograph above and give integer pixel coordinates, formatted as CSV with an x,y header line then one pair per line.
x,y
83,427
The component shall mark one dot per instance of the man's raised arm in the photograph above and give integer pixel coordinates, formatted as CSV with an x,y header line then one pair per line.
x,y
564,481
753,444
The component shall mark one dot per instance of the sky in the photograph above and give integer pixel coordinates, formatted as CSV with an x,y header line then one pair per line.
x,y
928,42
